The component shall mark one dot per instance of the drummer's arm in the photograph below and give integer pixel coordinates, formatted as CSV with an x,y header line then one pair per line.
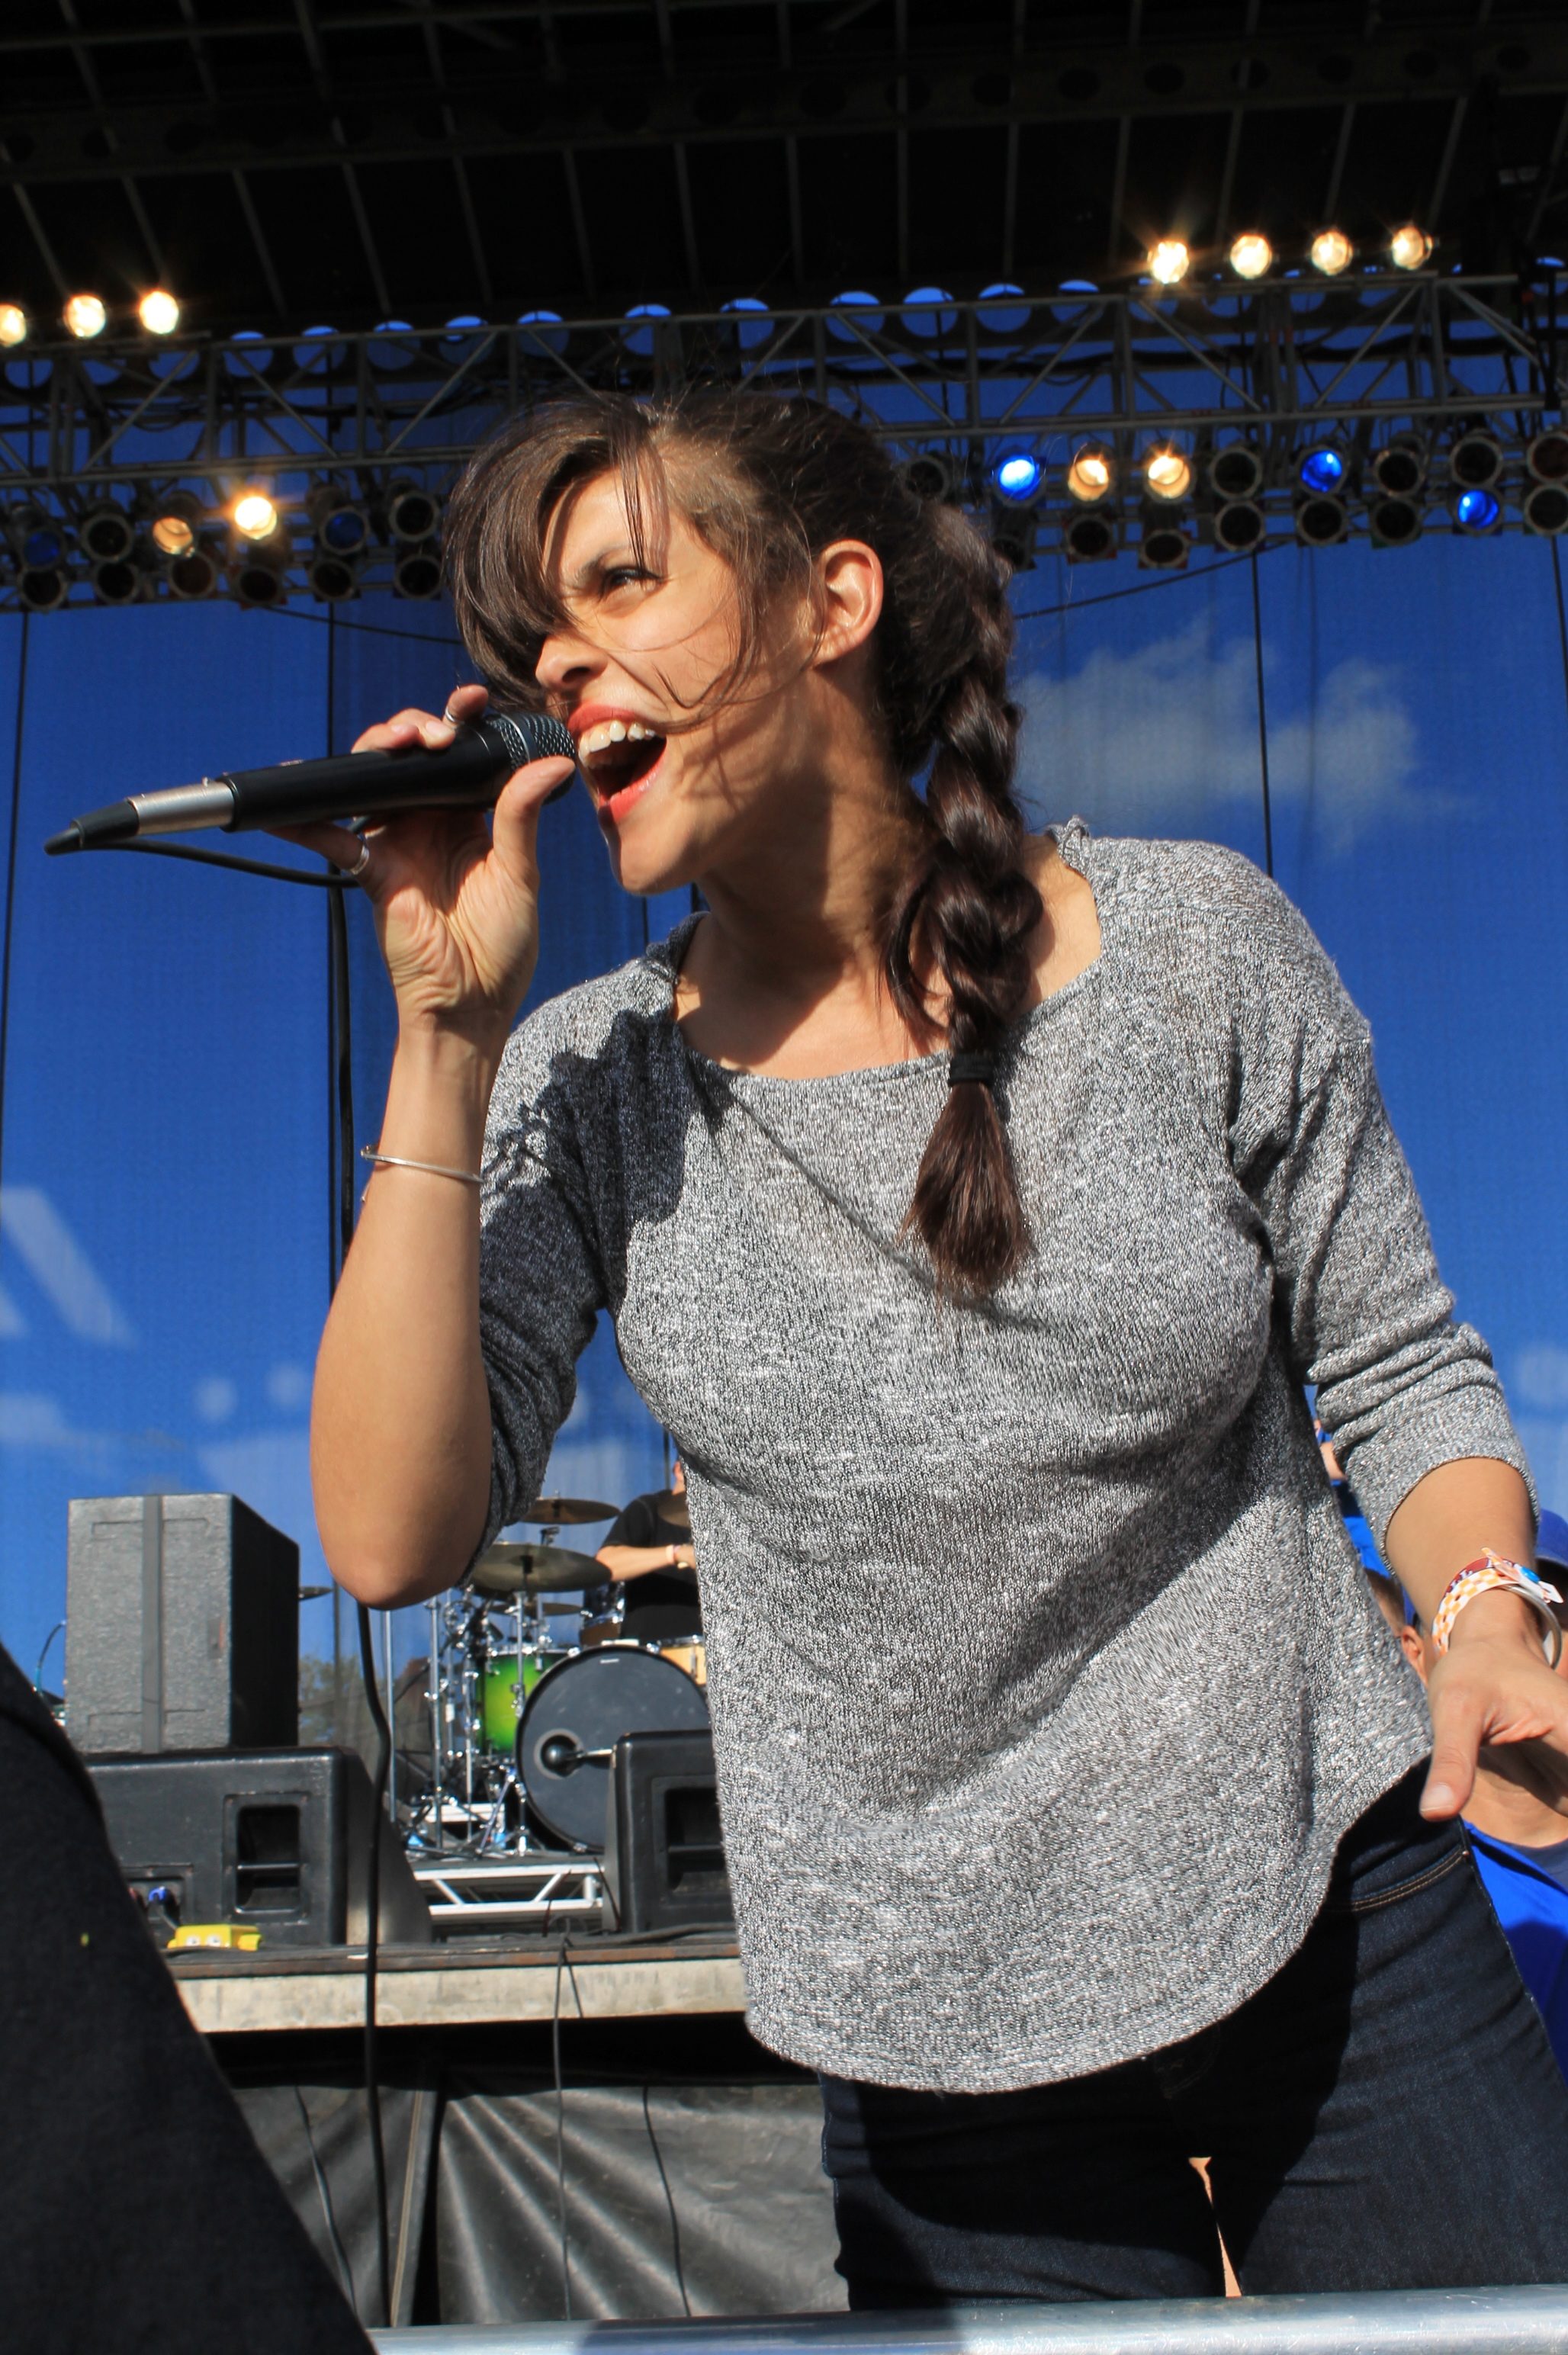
x,y
636,1561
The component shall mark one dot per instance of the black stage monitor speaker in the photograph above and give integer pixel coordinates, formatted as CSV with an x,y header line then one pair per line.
x,y
182,1626
664,1854
276,1840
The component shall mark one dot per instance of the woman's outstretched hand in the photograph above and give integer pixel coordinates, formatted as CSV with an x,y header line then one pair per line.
x,y
456,901
1492,1686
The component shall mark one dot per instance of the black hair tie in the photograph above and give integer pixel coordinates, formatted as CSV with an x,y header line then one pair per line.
x,y
981,1068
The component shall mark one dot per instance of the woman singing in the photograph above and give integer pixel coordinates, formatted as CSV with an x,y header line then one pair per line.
x,y
972,1207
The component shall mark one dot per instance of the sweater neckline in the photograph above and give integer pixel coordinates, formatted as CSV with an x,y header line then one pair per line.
x,y
1076,846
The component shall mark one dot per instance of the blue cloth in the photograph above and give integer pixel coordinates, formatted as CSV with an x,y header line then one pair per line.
x,y
1530,1898
1361,1537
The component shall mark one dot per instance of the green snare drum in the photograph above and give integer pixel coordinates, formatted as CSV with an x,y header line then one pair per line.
x,y
501,1702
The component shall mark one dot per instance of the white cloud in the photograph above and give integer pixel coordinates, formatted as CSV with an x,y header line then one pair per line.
x,y
1540,1377
288,1387
215,1398
1145,739
269,1471
61,1268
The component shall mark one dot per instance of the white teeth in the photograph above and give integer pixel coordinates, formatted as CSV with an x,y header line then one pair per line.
x,y
613,731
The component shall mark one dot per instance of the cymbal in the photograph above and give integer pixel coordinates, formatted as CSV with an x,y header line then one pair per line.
x,y
563,1512
517,1567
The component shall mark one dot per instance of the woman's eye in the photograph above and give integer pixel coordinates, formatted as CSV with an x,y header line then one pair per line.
x,y
619,575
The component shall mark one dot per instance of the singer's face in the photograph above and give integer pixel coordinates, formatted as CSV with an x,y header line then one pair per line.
x,y
635,660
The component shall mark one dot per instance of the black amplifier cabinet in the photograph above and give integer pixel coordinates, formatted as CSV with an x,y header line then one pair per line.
x,y
664,1854
182,1626
277,1839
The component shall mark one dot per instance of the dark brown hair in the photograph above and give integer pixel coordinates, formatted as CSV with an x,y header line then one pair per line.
x,y
768,484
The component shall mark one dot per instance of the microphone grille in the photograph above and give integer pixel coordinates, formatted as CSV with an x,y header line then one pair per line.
x,y
532,736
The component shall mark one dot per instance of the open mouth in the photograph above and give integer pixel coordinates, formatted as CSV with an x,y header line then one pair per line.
x,y
616,755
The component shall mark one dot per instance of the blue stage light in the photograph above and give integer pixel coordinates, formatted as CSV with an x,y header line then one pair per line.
x,y
1476,511
1323,469
1016,477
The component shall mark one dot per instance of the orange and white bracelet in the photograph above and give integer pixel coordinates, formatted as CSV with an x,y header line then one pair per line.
x,y
1495,1571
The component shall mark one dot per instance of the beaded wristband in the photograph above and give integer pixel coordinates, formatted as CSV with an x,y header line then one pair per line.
x,y
1495,1571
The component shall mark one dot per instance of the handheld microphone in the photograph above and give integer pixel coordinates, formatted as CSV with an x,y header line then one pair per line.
x,y
468,775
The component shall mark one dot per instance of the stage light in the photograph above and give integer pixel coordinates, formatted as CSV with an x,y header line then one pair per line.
x,y
106,534
1013,536
332,578
1475,459
1164,547
1168,262
1409,247
417,572
192,575
176,517
1089,536
116,583
1321,520
1394,522
929,476
42,587
1546,510
255,515
1238,525
1324,469
1091,474
1477,511
1236,472
1331,252
341,524
1168,475
13,325
1399,467
1546,456
39,538
85,316
258,570
1250,255
159,312
1018,477
414,514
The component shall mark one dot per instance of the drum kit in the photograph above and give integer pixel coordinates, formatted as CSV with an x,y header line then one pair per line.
x,y
524,1727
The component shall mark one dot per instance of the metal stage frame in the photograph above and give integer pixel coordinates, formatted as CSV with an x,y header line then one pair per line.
x,y
1279,366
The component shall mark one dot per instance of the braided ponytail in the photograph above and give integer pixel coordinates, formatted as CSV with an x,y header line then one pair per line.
x,y
970,908
768,482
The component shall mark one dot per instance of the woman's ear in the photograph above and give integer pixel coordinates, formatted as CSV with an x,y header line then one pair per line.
x,y
850,590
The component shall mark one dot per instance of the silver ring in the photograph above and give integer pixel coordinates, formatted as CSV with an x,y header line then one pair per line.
x,y
352,874
451,719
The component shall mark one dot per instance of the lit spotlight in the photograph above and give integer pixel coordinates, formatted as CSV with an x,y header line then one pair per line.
x,y
85,316
1409,247
1016,476
13,325
172,535
1168,475
255,515
1323,470
159,312
1168,262
1250,255
1091,474
1477,511
1331,252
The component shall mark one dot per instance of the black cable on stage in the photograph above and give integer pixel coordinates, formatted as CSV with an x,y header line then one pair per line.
x,y
1143,588
669,2203
1263,720
226,858
9,927
560,2129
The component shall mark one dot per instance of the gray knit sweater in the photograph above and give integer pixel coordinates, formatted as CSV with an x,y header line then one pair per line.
x,y
1043,1676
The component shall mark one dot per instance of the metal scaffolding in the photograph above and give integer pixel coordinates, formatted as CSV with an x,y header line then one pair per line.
x,y
355,422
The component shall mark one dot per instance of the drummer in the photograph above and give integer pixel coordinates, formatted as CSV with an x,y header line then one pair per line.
x,y
649,1554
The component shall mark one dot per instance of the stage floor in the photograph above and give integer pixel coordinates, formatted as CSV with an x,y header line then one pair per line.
x,y
458,1983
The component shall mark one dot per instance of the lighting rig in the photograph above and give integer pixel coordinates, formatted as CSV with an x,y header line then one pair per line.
x,y
1213,402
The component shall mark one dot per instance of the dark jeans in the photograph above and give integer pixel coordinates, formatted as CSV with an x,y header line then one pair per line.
x,y
1385,2113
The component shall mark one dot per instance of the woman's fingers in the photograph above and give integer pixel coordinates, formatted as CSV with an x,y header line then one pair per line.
x,y
1456,1722
430,729
1494,1690
523,797
335,842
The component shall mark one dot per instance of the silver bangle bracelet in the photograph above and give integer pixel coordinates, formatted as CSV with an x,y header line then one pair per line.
x,y
431,1168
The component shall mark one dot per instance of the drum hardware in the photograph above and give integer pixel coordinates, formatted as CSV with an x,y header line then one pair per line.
x,y
575,1715
514,1566
567,1512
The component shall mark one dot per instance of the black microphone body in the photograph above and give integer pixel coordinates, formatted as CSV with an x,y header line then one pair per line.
x,y
468,775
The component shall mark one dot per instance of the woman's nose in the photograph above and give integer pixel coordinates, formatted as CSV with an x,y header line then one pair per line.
x,y
566,663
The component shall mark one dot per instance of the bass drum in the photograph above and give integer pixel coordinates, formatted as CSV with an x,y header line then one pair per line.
x,y
573,1719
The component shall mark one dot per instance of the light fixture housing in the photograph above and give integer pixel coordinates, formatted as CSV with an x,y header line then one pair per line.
x,y
1395,520
930,475
106,534
1546,456
413,515
254,514
84,317
1321,520
1089,535
1167,473
1399,468
1239,526
1168,262
1164,545
159,311
1546,509
1331,252
1018,477
14,324
1474,459
416,571
1236,471
1477,511
1091,474
177,519
1251,255
1013,536
1409,246
1325,470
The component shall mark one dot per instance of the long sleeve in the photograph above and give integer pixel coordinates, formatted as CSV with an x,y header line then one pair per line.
x,y
1402,1386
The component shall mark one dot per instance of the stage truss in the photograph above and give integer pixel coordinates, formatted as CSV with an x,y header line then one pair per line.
x,y
1280,368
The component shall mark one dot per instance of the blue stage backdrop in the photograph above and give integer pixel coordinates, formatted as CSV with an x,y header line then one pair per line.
x,y
165,1209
